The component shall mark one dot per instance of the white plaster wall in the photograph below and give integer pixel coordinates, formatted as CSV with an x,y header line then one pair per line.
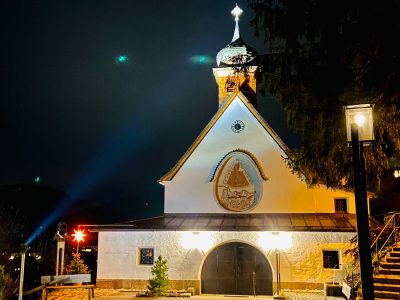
x,y
302,262
190,190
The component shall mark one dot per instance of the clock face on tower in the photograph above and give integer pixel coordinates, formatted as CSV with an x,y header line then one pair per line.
x,y
237,126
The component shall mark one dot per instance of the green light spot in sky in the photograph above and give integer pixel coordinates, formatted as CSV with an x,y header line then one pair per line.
x,y
201,59
37,179
122,59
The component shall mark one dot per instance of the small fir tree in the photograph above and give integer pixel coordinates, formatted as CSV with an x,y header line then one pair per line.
x,y
159,283
77,265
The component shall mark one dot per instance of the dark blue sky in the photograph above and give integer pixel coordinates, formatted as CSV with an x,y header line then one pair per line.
x,y
101,131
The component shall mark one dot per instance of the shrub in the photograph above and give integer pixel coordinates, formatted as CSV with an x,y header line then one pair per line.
x,y
77,265
6,284
159,283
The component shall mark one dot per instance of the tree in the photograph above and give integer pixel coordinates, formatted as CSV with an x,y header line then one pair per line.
x,y
159,283
77,265
6,284
324,55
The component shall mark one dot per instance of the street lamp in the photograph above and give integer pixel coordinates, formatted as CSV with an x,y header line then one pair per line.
x,y
359,123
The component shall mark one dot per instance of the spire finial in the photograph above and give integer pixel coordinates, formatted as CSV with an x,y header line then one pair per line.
x,y
236,12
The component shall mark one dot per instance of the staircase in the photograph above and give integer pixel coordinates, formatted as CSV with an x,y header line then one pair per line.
x,y
386,260
387,281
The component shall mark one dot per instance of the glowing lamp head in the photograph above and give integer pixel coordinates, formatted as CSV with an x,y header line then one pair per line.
x,y
79,235
361,115
396,173
359,119
197,240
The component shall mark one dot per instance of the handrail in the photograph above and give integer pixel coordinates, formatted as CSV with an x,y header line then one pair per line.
x,y
376,256
386,225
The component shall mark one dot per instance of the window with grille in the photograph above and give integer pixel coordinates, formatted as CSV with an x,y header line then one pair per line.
x,y
331,259
341,205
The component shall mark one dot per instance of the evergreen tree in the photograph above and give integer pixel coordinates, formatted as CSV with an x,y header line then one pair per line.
x,y
77,265
159,283
324,55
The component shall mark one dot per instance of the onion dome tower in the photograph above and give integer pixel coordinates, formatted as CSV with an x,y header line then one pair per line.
x,y
236,66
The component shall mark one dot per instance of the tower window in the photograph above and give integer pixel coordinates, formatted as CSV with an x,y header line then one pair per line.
x,y
230,86
331,259
341,205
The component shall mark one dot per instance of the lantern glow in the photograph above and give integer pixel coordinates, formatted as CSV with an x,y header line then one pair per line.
x,y
79,235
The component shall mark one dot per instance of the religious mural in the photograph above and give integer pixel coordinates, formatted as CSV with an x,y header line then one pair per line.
x,y
237,185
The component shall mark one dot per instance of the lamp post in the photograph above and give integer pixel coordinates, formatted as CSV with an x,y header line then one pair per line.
x,y
360,133
24,249
278,241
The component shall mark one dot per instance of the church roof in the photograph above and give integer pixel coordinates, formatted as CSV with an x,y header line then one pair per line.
x,y
170,175
332,222
237,52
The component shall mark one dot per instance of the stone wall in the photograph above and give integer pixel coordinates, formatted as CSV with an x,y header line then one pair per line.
x,y
301,263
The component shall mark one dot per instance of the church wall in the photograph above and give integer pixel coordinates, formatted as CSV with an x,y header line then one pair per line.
x,y
301,263
191,190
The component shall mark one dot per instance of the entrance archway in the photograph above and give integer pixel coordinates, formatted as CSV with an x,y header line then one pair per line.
x,y
236,269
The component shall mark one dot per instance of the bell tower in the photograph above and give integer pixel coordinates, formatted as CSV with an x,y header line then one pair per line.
x,y
236,66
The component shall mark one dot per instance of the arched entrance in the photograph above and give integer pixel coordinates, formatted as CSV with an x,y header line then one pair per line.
x,y
236,269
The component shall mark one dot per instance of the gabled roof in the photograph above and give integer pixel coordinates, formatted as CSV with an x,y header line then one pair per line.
x,y
170,175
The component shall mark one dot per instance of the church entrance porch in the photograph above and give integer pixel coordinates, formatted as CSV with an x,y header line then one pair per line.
x,y
236,269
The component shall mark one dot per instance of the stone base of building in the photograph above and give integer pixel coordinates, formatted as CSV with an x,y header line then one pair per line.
x,y
140,285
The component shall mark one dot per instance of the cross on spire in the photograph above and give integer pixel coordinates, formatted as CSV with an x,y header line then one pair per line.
x,y
236,12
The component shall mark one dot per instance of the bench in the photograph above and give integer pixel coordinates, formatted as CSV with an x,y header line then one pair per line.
x,y
89,287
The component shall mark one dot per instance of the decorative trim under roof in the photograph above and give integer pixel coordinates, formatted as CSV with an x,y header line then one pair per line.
x,y
170,175
322,222
249,154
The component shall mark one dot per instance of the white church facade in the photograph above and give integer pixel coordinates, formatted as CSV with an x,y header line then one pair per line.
x,y
231,204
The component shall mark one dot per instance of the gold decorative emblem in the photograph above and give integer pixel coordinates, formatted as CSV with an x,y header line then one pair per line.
x,y
235,184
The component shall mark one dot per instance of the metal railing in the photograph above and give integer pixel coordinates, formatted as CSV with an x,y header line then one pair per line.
x,y
384,242
379,245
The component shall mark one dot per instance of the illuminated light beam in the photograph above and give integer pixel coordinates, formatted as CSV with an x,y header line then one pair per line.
x,y
201,60
128,140
94,172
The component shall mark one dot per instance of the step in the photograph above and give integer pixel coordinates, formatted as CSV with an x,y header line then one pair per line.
x,y
396,249
394,254
393,259
387,279
389,271
386,295
387,287
390,266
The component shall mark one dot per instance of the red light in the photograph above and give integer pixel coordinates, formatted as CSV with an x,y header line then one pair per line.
x,y
79,235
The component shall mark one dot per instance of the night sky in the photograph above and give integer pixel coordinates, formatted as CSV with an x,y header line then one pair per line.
x,y
101,130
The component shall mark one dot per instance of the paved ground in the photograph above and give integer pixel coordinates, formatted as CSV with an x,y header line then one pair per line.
x,y
300,297
108,294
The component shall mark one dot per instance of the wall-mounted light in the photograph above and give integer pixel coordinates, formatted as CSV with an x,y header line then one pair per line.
x,y
396,173
275,240
197,240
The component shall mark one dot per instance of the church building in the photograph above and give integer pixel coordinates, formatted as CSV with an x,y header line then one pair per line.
x,y
236,219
